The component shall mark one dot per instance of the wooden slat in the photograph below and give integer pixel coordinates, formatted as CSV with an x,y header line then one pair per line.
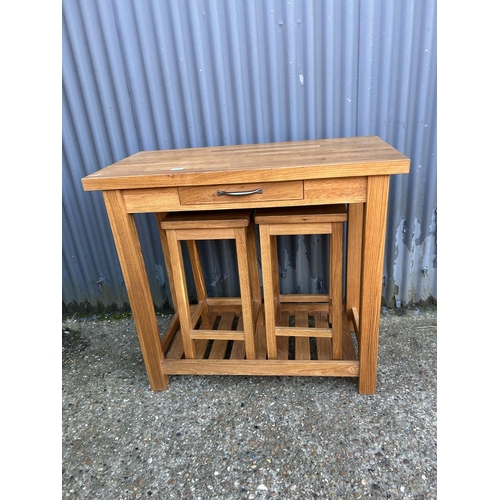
x,y
324,349
238,349
260,342
201,345
170,333
303,297
223,301
348,351
219,347
177,349
309,228
219,334
307,307
212,318
324,345
295,331
315,368
282,342
302,349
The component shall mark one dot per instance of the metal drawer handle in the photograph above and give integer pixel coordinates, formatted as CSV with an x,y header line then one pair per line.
x,y
238,193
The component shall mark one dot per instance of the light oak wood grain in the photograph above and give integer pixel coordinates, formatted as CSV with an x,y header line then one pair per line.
x,y
128,247
270,191
351,171
297,221
314,368
372,265
285,161
191,227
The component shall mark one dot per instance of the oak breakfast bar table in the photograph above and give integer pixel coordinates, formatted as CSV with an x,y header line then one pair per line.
x,y
353,171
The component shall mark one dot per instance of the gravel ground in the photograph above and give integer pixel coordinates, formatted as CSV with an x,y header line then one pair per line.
x,y
243,437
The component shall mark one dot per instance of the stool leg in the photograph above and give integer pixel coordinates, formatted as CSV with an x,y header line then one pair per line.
x,y
245,291
354,258
269,288
199,281
336,288
276,276
174,247
166,255
252,263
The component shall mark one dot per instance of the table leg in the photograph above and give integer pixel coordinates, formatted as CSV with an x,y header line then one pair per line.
x,y
372,267
129,252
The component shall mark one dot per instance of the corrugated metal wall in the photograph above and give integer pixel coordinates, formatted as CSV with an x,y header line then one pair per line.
x,y
174,74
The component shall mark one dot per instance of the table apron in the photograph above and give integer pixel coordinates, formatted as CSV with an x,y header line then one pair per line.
x,y
313,192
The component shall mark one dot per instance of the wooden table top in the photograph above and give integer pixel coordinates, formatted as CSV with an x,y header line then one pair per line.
x,y
282,161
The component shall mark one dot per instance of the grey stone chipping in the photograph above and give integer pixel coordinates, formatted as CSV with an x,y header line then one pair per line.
x,y
239,437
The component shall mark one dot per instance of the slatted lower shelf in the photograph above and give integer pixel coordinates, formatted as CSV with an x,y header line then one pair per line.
x,y
297,356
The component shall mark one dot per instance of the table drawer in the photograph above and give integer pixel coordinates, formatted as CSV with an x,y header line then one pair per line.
x,y
241,193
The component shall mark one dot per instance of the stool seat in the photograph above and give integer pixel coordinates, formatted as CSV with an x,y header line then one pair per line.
x,y
210,219
321,219
213,225
297,215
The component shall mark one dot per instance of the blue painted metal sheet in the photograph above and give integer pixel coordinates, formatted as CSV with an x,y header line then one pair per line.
x,y
159,75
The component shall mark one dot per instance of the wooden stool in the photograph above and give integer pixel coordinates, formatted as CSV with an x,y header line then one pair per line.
x,y
212,225
320,219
